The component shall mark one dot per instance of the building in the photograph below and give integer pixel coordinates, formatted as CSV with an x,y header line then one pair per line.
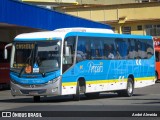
x,y
125,16
129,18
18,17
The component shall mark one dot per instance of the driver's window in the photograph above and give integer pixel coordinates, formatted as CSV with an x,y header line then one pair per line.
x,y
83,49
68,52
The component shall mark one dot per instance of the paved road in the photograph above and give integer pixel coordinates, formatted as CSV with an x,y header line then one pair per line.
x,y
147,96
144,99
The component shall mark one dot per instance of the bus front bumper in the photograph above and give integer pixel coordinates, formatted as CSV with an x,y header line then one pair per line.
x,y
50,89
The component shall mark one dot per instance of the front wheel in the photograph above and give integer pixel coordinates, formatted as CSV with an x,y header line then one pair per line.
x,y
76,97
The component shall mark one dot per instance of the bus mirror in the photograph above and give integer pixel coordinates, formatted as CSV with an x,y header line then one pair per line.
x,y
5,54
67,51
5,50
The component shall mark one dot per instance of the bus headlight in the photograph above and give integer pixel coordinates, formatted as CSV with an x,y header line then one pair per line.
x,y
54,80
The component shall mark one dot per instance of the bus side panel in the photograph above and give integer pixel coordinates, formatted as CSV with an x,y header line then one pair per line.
x,y
100,75
108,75
145,75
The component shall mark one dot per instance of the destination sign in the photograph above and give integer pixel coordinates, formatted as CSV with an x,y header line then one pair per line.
x,y
24,46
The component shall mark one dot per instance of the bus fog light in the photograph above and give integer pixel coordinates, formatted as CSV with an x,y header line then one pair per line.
x,y
54,89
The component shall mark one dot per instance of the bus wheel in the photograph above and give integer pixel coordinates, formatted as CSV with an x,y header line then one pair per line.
x,y
76,97
129,90
36,98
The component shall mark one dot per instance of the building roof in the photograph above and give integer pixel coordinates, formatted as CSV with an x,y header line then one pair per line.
x,y
22,14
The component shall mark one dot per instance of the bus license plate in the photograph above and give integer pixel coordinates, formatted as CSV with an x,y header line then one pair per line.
x,y
33,93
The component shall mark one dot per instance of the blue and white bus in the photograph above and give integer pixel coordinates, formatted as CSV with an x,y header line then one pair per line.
x,y
71,61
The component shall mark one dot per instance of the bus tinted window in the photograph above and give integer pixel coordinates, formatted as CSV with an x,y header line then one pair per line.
x,y
150,51
83,49
98,48
109,48
141,49
122,48
131,49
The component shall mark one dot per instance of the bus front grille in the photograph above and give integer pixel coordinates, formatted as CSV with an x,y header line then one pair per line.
x,y
33,92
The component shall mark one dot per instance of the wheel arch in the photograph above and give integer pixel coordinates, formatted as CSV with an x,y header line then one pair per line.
x,y
82,81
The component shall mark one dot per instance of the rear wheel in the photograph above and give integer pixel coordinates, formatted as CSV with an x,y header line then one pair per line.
x,y
129,90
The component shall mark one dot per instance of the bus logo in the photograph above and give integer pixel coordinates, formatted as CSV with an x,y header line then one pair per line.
x,y
95,68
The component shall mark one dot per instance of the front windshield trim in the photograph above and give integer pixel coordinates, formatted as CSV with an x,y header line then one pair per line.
x,y
45,70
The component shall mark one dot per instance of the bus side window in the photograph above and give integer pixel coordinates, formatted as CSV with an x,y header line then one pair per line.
x,y
97,48
83,49
139,50
143,49
150,50
109,51
121,49
93,52
131,51
88,50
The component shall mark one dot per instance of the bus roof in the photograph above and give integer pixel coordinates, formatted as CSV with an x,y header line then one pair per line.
x,y
58,33
64,32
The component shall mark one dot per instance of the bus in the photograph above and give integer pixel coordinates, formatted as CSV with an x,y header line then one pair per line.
x,y
4,67
74,61
157,55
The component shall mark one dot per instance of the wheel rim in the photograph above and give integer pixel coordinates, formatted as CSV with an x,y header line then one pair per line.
x,y
130,87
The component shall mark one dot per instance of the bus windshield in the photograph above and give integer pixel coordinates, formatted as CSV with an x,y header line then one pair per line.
x,y
36,57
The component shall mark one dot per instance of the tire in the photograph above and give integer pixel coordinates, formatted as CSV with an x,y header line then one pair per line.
x,y
76,97
129,90
36,98
92,95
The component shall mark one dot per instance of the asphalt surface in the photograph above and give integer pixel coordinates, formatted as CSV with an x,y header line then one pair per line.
x,y
145,99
